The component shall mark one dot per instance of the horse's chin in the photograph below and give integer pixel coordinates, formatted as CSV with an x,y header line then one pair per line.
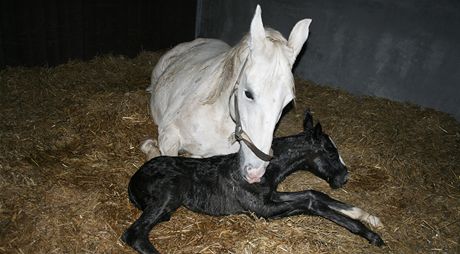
x,y
252,180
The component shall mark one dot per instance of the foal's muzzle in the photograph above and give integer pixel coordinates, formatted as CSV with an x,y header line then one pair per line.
x,y
339,180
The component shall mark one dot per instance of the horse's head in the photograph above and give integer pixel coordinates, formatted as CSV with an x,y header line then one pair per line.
x,y
325,160
266,86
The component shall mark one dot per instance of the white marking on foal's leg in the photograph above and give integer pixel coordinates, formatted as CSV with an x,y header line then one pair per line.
x,y
340,157
150,148
359,214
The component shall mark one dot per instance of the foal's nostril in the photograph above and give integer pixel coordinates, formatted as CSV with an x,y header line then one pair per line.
x,y
339,180
345,178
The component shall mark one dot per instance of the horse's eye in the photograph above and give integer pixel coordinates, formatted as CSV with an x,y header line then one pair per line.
x,y
249,95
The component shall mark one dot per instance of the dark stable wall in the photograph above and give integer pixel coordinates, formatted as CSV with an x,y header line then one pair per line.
x,y
403,50
50,32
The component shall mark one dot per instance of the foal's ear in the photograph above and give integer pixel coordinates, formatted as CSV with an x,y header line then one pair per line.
x,y
257,31
298,36
307,121
318,130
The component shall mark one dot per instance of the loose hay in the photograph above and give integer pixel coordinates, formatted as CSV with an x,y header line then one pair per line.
x,y
69,144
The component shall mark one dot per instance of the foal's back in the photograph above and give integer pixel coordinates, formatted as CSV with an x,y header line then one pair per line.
x,y
198,184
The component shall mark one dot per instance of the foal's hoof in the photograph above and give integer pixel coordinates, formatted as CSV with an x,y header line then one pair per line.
x,y
124,237
377,241
374,221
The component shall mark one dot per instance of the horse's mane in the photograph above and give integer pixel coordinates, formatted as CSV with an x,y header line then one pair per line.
x,y
231,64
230,67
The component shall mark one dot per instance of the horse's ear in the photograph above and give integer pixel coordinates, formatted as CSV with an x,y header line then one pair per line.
x,y
298,36
257,32
307,121
318,130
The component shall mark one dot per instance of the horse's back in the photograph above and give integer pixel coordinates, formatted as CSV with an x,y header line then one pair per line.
x,y
186,55
180,73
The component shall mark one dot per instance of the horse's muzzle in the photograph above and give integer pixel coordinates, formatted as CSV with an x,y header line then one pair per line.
x,y
253,175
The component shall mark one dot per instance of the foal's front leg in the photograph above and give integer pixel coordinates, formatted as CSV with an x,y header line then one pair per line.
x,y
277,173
317,203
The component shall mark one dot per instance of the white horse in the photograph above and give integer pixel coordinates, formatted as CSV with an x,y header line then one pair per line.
x,y
193,88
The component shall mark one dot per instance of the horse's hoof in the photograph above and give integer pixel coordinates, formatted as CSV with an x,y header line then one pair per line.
x,y
150,148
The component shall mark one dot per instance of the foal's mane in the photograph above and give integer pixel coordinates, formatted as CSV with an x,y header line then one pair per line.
x,y
233,61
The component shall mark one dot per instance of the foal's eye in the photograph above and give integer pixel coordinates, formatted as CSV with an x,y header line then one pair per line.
x,y
249,95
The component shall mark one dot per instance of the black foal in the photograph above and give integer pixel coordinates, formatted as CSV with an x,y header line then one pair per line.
x,y
215,186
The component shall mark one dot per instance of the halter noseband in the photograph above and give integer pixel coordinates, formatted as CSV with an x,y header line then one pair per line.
x,y
240,134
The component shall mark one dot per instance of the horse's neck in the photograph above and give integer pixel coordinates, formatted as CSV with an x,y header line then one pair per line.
x,y
232,66
224,73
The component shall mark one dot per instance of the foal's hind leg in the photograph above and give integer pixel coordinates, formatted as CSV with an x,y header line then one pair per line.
x,y
137,235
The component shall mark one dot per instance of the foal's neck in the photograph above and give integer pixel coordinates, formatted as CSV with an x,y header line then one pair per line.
x,y
292,149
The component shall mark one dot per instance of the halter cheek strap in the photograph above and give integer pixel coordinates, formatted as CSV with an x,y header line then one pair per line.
x,y
240,134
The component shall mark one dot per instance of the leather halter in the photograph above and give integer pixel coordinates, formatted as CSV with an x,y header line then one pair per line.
x,y
240,134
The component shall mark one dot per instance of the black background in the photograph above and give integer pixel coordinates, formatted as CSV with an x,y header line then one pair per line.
x,y
50,32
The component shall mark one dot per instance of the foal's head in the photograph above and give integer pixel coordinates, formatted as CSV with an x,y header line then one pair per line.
x,y
266,87
325,160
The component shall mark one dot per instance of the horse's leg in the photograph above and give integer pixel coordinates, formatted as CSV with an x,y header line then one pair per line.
x,y
169,140
137,235
150,148
316,203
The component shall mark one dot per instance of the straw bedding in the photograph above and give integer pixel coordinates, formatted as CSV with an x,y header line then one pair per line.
x,y
69,140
